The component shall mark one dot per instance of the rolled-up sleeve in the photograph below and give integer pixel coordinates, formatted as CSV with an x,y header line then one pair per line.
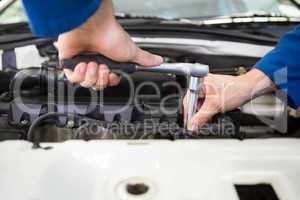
x,y
282,65
49,18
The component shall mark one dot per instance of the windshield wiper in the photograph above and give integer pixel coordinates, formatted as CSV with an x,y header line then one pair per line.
x,y
251,16
296,3
140,16
5,4
258,14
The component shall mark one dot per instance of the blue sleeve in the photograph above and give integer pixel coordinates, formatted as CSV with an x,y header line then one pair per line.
x,y
282,65
49,18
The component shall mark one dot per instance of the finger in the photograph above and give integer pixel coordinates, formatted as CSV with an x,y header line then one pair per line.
x,y
91,75
200,103
185,107
147,59
202,92
103,75
206,112
78,74
113,79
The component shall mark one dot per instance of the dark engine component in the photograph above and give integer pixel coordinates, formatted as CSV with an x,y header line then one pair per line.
x,y
133,100
221,126
142,106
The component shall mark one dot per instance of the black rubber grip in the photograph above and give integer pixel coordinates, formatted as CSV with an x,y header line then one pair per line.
x,y
99,59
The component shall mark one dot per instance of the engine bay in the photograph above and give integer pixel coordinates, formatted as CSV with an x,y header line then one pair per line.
x,y
153,110
40,105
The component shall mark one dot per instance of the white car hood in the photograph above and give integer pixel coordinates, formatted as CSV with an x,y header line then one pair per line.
x,y
180,170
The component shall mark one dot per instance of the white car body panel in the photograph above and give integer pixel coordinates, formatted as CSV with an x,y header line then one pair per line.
x,y
177,170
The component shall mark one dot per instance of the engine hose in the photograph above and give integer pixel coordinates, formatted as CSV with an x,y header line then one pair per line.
x,y
31,135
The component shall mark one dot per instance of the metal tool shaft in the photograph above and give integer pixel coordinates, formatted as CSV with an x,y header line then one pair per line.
x,y
194,71
186,69
194,87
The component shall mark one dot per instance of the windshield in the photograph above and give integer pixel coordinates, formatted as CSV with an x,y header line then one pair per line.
x,y
205,8
194,9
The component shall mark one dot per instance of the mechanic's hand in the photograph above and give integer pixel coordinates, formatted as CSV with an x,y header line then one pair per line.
x,y
101,33
221,93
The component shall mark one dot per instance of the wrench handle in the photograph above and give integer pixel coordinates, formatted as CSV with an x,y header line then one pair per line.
x,y
126,67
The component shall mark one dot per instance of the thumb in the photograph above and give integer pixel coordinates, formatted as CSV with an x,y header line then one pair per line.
x,y
206,112
147,59
68,46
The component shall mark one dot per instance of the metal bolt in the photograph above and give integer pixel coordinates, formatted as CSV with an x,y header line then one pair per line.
x,y
70,124
24,122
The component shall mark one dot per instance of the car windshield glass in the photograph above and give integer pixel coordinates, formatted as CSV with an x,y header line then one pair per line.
x,y
193,9
13,14
205,8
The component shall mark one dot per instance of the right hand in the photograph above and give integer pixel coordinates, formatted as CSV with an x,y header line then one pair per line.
x,y
221,93
101,33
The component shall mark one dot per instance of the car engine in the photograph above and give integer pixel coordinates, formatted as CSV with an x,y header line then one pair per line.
x,y
37,103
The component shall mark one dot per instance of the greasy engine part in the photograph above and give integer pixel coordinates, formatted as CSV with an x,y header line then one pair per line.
x,y
8,132
83,128
130,120
195,73
34,92
143,118
134,100
221,126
